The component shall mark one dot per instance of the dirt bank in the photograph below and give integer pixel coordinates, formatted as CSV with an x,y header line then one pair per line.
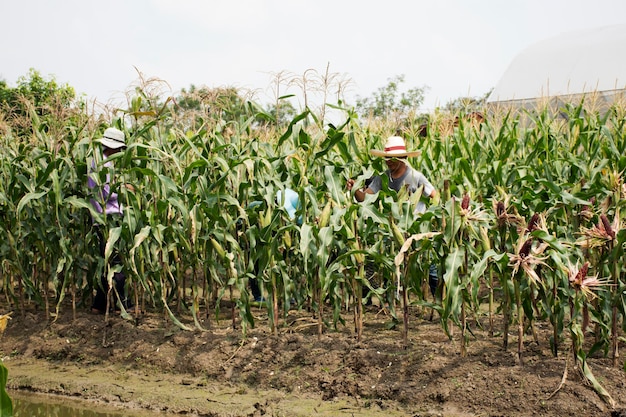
x,y
152,364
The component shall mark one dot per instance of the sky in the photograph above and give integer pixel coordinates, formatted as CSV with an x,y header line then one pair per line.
x,y
452,48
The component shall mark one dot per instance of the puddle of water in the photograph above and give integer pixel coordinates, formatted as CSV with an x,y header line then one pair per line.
x,y
27,404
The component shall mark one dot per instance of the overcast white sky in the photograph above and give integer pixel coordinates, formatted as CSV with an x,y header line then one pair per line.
x,y
453,47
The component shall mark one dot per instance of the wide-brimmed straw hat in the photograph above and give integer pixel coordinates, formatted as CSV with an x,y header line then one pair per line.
x,y
394,148
113,138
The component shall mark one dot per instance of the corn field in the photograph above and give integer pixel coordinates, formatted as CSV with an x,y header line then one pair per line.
x,y
529,226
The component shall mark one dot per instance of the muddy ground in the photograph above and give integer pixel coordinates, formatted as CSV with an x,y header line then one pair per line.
x,y
152,364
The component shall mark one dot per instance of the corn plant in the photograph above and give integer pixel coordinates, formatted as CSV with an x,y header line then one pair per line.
x,y
204,219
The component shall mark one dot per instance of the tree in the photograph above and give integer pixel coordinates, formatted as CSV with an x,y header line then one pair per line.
x,y
388,101
282,113
36,96
223,103
42,93
466,105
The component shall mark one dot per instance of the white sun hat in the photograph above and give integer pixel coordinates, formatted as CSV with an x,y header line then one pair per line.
x,y
113,138
395,147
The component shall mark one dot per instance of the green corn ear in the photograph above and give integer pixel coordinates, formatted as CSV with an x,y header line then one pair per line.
x,y
287,239
218,248
484,237
397,234
325,216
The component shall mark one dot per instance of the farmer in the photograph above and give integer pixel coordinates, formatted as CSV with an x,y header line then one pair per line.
x,y
400,174
106,201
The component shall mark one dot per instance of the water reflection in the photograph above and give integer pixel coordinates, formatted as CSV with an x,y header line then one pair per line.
x,y
39,405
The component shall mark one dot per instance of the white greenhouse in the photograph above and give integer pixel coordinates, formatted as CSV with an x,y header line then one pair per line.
x,y
589,64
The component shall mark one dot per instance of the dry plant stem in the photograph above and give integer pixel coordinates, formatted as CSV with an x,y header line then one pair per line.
x,y
520,323
505,292
463,317
585,324
359,312
405,307
104,334
181,295
45,297
463,331
183,280
531,321
507,318
199,297
614,339
136,292
6,292
345,301
563,379
358,287
614,328
73,294
491,303
274,306
181,287
320,303
108,306
44,290
214,290
405,318
555,331
241,345
574,348
357,290
232,307
205,295
22,298
354,310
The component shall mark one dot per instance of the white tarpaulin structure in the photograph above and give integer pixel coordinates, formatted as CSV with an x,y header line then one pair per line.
x,y
589,63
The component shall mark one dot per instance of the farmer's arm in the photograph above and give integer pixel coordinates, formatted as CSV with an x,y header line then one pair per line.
x,y
360,193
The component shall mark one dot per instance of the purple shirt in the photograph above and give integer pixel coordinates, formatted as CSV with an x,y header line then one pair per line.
x,y
112,205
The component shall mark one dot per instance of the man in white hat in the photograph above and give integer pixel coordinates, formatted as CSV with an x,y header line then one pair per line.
x,y
399,171
400,174
112,141
106,201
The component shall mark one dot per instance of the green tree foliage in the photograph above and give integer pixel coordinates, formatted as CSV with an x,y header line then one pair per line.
x,y
35,96
466,105
389,100
226,104
43,93
5,91
282,113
